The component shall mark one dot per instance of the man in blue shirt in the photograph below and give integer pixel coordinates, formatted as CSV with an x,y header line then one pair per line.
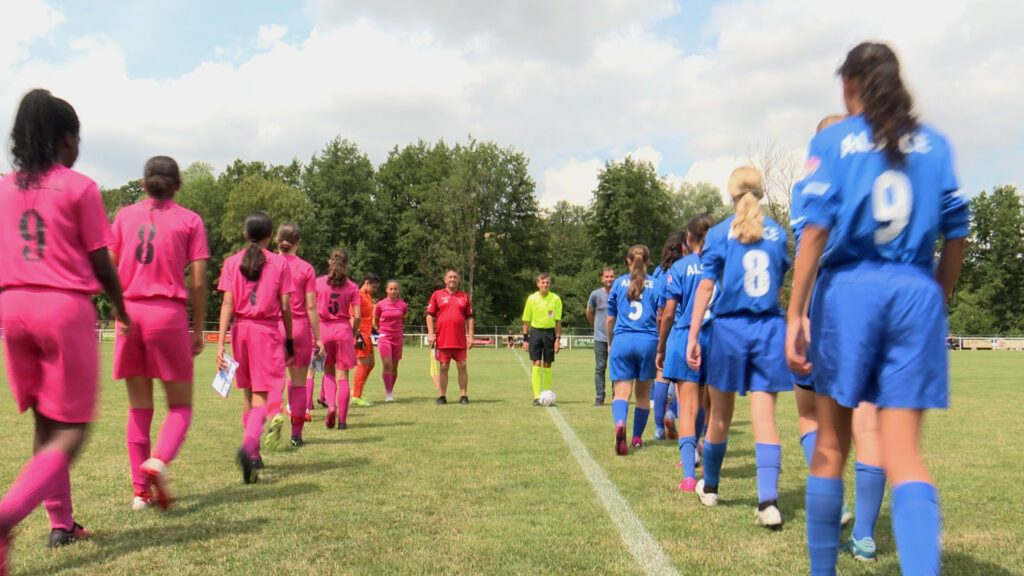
x,y
597,313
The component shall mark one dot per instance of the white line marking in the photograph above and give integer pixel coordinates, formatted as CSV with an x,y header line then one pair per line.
x,y
644,548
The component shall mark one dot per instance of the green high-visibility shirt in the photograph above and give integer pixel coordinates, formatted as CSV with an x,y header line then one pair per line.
x,y
543,311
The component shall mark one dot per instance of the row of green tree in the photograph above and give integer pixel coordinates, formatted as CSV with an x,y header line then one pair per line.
x,y
473,206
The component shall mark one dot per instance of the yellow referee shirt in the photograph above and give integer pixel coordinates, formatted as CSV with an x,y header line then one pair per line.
x,y
543,311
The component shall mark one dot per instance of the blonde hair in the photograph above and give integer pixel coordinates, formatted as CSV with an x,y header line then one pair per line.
x,y
747,188
638,257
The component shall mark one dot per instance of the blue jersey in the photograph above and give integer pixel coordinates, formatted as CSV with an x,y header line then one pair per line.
x,y
639,316
681,285
876,211
749,275
796,205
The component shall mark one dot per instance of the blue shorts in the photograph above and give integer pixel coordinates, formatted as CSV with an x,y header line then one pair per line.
x,y
632,357
748,354
880,336
676,368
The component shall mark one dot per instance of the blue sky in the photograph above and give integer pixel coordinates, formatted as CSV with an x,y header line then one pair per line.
x,y
692,86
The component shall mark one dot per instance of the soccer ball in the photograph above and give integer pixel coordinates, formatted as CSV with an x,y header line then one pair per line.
x,y
547,398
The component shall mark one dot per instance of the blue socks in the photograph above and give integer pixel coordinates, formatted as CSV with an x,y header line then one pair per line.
x,y
660,399
640,416
769,462
807,443
620,410
824,503
699,425
687,444
916,523
870,490
714,454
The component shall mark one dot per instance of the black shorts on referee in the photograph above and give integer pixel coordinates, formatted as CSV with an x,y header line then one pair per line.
x,y
542,345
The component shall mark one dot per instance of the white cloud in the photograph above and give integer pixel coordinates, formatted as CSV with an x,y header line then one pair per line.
x,y
267,36
574,182
23,23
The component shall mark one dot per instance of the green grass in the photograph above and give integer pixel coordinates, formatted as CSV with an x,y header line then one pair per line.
x,y
492,488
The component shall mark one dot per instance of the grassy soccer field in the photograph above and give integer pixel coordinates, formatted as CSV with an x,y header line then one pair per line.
x,y
492,488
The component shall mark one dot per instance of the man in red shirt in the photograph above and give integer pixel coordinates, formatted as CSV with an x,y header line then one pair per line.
x,y
453,312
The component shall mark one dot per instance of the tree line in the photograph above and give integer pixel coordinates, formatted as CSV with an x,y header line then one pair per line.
x,y
473,206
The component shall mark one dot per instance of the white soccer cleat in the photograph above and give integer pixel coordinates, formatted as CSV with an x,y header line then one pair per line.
x,y
389,398
708,499
770,517
140,503
156,472
696,457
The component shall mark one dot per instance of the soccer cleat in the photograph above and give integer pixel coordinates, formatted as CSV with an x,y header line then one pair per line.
x,y
389,398
141,501
688,484
322,402
638,442
272,440
60,537
250,467
297,442
342,425
441,400
536,402
847,517
156,472
621,448
361,402
862,550
670,426
598,401
768,514
5,546
464,400
330,418
659,433
708,496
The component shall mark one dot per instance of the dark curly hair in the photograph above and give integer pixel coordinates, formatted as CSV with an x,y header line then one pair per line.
x,y
42,120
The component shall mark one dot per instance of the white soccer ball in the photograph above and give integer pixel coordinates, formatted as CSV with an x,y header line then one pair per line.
x,y
547,398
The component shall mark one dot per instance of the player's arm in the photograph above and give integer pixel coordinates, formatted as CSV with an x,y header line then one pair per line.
x,y
469,334
314,321
431,339
105,272
700,305
227,308
558,335
357,319
609,327
286,318
664,326
590,314
951,260
526,335
805,270
197,291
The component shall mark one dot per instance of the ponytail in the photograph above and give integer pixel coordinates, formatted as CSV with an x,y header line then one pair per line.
x,y
337,267
258,227
161,178
288,235
888,106
637,258
674,249
41,122
747,189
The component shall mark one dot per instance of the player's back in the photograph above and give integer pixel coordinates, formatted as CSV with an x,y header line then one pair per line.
x,y
878,211
638,316
334,301
681,283
303,280
257,299
749,275
48,231
155,241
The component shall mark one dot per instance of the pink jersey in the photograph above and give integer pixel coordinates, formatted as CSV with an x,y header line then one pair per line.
x,y
304,280
47,232
155,241
390,316
259,300
333,302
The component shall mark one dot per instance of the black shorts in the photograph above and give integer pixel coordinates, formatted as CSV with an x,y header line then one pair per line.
x,y
542,345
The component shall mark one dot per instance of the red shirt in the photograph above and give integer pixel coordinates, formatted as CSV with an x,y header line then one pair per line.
x,y
47,232
155,241
259,300
450,309
304,280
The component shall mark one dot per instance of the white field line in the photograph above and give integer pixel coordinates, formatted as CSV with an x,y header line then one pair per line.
x,y
644,548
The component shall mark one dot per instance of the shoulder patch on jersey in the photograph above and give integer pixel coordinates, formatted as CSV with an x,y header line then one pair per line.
x,y
810,167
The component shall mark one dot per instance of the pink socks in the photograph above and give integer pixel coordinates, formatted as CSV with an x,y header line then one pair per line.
x,y
389,383
343,396
137,434
297,400
329,387
45,476
172,433
310,384
275,398
253,431
58,506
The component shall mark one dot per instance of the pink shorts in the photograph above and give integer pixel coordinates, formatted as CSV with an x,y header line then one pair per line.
x,y
52,352
340,344
390,347
158,344
259,350
446,355
302,336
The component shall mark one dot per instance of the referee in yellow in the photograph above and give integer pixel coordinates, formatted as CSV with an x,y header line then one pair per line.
x,y
542,331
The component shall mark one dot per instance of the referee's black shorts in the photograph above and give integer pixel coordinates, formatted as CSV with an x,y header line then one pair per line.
x,y
542,345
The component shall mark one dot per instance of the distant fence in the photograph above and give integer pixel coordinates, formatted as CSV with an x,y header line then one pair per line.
x,y
985,343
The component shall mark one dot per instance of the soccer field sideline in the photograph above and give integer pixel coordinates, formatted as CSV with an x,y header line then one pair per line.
x,y
493,488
